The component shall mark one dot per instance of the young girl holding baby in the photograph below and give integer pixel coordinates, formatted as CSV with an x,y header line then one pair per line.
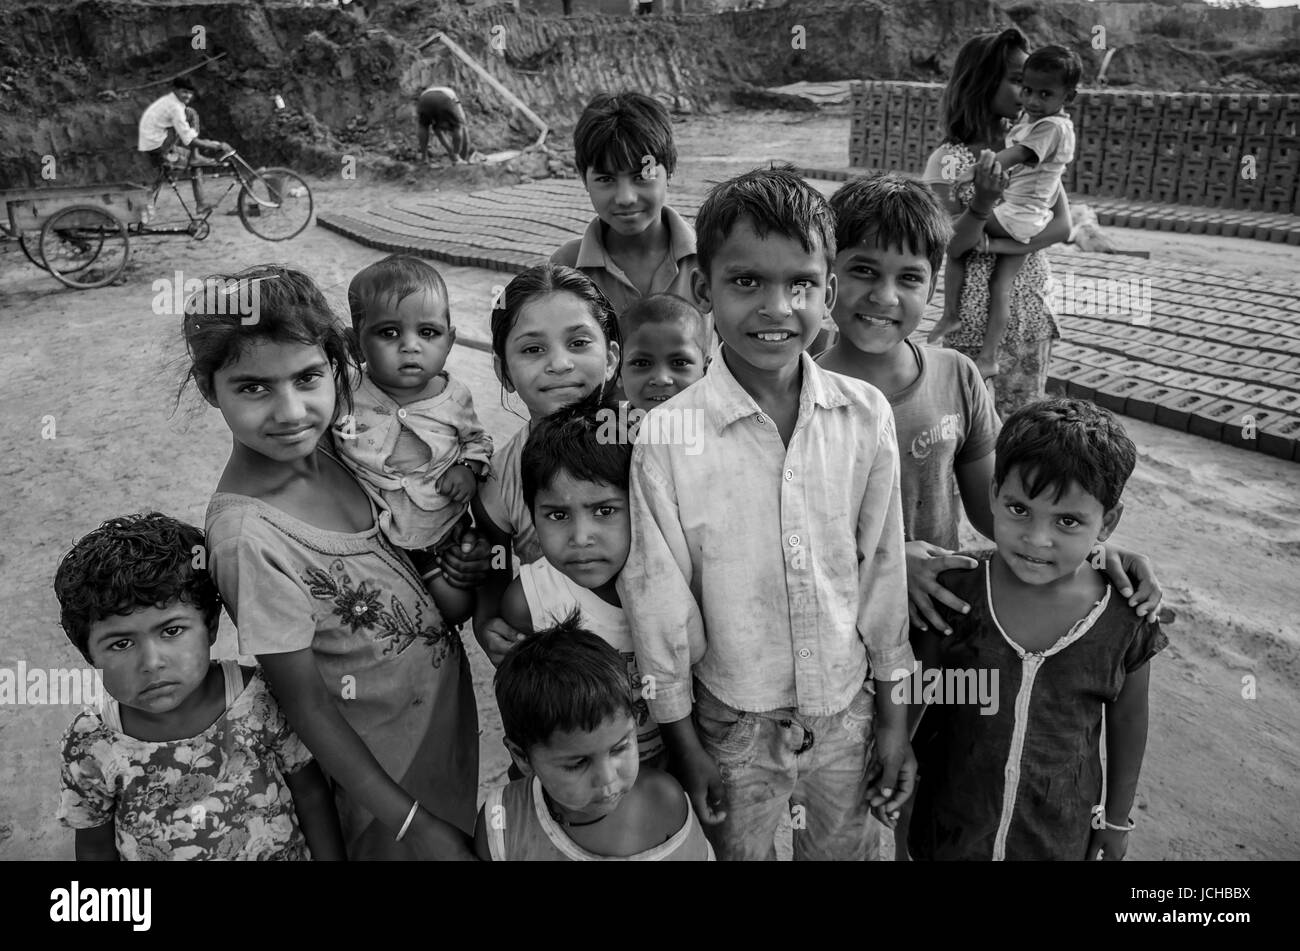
x,y
368,671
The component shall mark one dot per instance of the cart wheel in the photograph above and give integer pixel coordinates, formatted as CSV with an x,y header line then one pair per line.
x,y
30,242
275,204
84,246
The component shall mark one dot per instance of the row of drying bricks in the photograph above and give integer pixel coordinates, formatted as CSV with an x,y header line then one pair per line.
x,y
1244,413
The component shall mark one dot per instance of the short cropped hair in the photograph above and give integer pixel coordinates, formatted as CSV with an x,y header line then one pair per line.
x,y
392,280
561,678
618,130
666,309
1056,442
1057,61
892,211
773,199
583,440
180,82
135,561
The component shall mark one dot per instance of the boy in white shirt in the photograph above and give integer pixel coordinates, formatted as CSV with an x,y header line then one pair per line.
x,y
766,568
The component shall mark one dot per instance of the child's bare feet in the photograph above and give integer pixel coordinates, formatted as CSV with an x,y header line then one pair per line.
x,y
946,325
987,365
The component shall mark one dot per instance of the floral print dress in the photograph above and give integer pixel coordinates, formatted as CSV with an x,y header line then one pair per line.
x,y
1025,353
218,795
397,672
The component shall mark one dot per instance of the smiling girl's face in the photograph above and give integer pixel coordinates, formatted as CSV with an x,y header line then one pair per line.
x,y
556,354
278,398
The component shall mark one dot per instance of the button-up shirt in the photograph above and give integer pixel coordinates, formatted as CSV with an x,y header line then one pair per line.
x,y
673,276
162,116
775,573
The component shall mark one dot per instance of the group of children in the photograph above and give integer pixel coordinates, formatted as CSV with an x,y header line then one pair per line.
x,y
702,637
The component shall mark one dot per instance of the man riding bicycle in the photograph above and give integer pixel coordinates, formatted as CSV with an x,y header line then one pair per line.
x,y
165,123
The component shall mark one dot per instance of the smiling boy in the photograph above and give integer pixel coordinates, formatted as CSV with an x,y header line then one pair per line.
x,y
765,584
637,245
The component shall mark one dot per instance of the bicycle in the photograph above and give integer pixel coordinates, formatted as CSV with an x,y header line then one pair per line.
x,y
86,245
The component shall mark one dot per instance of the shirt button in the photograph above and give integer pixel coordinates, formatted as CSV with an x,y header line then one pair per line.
x,y
404,483
805,653
789,474
401,413
760,418
794,541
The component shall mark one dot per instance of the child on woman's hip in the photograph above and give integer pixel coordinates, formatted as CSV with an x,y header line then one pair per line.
x,y
1039,146
413,439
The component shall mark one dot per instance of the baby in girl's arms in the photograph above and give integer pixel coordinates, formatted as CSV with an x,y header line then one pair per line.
x,y
665,349
413,440
1041,144
569,723
190,758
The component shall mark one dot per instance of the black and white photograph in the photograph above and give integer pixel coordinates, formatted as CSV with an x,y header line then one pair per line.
x,y
655,430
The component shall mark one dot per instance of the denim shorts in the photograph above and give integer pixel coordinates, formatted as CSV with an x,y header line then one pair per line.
x,y
815,770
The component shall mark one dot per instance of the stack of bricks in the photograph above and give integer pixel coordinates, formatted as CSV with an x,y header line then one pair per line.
x,y
1220,150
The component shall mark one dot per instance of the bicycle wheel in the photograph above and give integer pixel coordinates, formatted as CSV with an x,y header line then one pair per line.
x,y
275,204
84,246
30,242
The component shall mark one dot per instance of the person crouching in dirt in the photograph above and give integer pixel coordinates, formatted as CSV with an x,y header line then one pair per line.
x,y
164,123
440,108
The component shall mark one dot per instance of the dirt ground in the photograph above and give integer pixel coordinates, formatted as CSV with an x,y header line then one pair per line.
x,y
1222,774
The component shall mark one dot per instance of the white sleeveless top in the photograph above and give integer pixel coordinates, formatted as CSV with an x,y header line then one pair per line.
x,y
552,596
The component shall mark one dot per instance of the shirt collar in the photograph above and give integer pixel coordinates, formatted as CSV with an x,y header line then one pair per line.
x,y
731,401
681,240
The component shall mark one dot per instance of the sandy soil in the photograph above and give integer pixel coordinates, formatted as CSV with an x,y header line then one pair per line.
x,y
1222,774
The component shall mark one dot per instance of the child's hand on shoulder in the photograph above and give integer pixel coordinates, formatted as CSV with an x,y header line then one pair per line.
x,y
925,562
458,484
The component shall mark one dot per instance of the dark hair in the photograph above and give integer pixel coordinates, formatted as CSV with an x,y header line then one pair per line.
x,y
393,279
585,440
773,199
666,309
136,561
561,678
290,309
617,130
542,280
1056,442
894,212
1057,61
979,70
180,82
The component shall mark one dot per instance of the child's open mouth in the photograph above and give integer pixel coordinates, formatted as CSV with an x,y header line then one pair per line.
x,y
774,336
873,321
1036,562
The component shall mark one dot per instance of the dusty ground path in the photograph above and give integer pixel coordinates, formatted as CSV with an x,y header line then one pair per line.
x,y
1222,774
